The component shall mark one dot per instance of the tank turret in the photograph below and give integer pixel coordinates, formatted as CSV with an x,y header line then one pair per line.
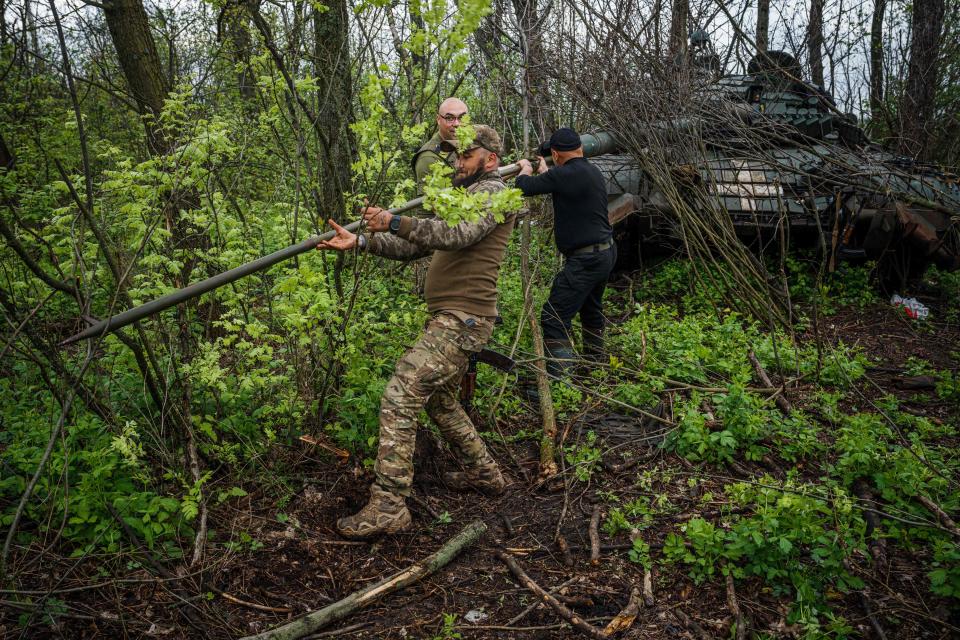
x,y
772,149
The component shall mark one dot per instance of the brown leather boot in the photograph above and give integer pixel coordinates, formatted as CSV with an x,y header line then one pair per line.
x,y
485,478
385,513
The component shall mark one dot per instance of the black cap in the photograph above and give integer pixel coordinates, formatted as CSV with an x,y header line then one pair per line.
x,y
563,139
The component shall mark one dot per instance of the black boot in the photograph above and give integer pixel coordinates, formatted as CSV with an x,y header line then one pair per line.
x,y
560,357
594,350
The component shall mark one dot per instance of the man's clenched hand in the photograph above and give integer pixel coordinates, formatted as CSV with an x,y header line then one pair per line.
x,y
377,219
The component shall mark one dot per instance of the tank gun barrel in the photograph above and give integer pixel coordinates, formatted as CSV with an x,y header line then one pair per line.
x,y
599,143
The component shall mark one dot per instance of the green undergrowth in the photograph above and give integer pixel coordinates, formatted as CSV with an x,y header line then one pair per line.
x,y
797,527
107,481
800,531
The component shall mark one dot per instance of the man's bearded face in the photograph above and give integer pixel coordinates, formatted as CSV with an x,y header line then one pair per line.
x,y
470,166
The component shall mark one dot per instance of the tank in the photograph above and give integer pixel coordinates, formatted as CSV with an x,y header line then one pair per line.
x,y
773,152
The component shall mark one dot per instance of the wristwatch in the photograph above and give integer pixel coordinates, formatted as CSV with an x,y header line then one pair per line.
x,y
395,224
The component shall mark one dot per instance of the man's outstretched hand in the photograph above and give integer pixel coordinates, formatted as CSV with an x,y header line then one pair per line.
x,y
343,241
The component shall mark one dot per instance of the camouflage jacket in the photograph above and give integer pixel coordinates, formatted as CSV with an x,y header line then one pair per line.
x,y
419,237
466,258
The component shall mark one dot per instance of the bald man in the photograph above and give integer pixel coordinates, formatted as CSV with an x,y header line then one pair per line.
x,y
449,116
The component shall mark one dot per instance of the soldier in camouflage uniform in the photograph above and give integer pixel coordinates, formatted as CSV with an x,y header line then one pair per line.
x,y
449,115
461,292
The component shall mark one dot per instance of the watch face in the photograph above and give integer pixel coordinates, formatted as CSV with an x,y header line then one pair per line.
x,y
395,224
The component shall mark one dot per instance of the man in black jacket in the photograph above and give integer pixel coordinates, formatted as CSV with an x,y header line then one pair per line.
x,y
584,236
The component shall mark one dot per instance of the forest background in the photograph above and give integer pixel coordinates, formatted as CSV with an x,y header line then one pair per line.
x,y
148,145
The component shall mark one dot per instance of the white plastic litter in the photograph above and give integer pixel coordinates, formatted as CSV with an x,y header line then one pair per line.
x,y
911,307
475,615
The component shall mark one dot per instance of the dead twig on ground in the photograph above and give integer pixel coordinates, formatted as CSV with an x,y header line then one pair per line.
x,y
629,464
523,614
940,513
872,618
252,605
576,621
624,619
507,525
595,536
877,544
564,551
648,588
782,403
735,608
691,625
316,620
423,504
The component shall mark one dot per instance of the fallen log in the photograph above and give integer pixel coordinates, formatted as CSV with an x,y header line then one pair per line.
x,y
576,621
316,620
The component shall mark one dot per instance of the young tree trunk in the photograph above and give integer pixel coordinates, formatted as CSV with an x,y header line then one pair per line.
x,y
548,439
535,102
488,34
876,59
531,21
140,63
233,28
815,41
130,31
679,16
763,25
917,105
334,111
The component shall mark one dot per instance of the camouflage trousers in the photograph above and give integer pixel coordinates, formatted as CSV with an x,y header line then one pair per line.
x,y
428,376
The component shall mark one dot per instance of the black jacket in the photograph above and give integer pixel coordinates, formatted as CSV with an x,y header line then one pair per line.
x,y
579,202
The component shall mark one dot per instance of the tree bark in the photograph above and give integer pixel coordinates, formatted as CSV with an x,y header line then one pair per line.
x,y
679,16
137,54
233,28
763,25
531,21
917,105
876,59
815,41
334,111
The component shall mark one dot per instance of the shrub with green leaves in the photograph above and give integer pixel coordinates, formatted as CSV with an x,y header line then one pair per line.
x,y
794,539
108,480
583,457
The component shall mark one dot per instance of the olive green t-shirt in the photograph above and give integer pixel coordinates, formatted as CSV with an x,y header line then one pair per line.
x,y
429,153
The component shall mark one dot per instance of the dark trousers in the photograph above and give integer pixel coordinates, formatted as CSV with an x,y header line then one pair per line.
x,y
578,289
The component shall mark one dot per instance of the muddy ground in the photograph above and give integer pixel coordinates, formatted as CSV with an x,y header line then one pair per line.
x,y
290,560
